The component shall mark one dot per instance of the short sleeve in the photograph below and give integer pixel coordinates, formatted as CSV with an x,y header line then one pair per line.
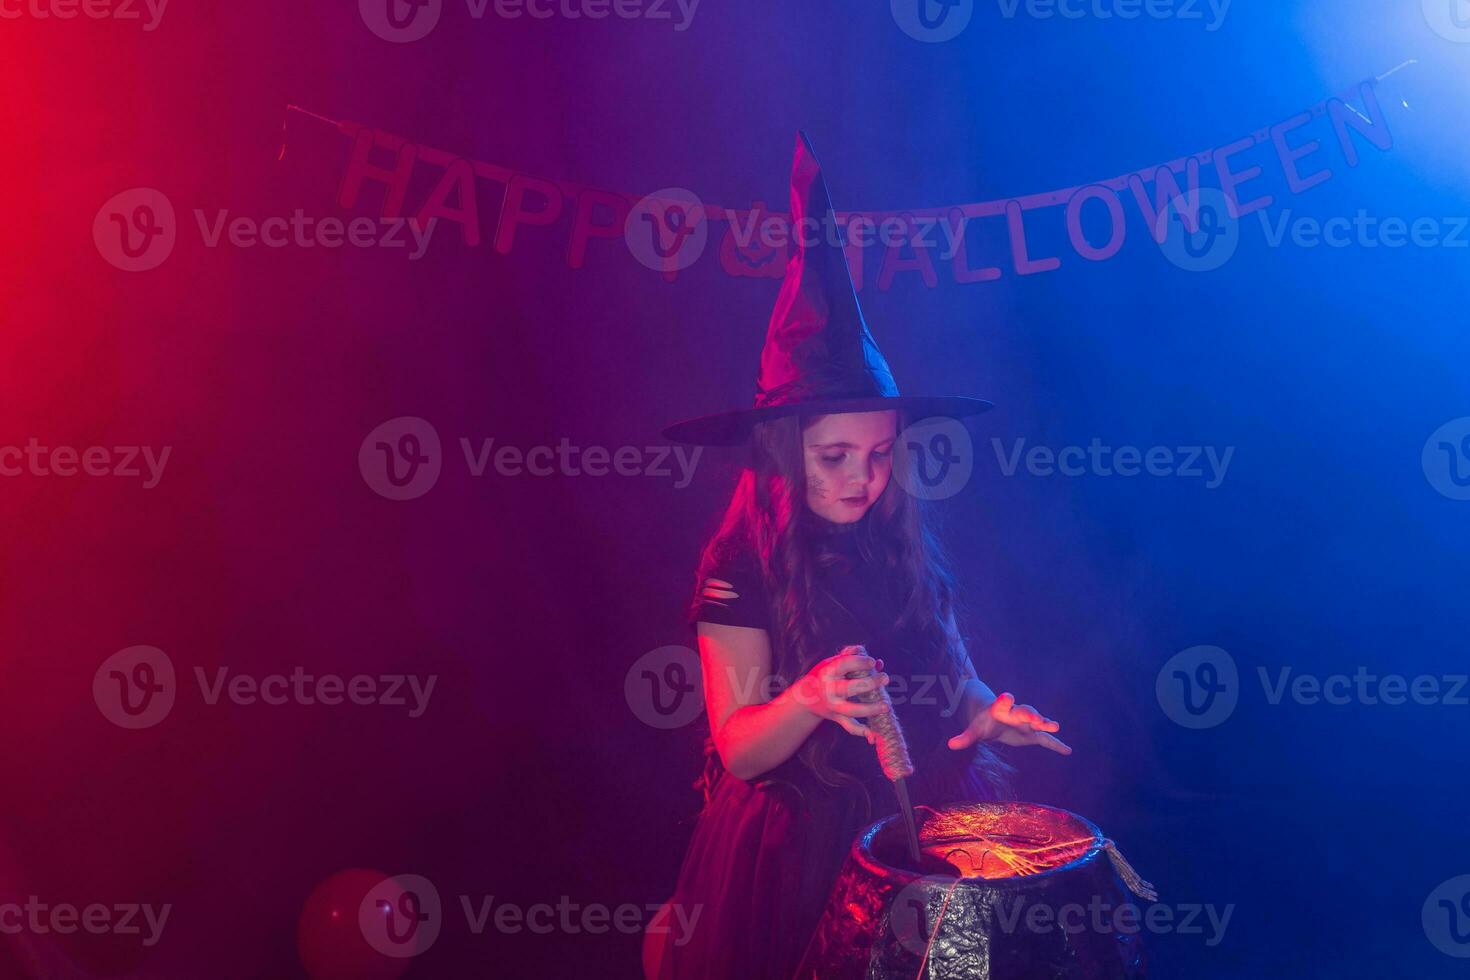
x,y
732,594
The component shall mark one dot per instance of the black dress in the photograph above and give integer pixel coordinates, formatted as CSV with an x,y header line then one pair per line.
x,y
766,851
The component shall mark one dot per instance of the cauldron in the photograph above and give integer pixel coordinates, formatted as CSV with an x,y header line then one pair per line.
x,y
1004,891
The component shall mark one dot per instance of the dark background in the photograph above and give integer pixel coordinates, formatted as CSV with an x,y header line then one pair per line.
x,y
530,777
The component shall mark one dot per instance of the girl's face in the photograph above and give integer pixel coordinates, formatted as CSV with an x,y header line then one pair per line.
x,y
849,460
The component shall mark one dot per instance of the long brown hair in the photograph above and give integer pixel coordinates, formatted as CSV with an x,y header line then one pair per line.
x,y
768,515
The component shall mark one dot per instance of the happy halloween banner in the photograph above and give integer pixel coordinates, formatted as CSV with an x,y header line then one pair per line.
x,y
669,230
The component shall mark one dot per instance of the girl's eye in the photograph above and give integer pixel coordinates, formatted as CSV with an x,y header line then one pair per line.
x,y
834,459
883,455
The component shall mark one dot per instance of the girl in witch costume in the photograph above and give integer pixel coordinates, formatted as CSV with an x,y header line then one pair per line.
x,y
822,583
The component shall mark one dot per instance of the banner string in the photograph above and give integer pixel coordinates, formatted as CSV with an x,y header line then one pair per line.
x,y
949,213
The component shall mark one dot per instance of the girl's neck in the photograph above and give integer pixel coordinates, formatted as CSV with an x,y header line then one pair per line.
x,y
828,527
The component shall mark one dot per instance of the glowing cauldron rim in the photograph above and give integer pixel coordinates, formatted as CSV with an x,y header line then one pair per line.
x,y
870,862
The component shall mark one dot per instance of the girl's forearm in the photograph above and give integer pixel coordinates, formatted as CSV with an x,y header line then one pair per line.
x,y
759,737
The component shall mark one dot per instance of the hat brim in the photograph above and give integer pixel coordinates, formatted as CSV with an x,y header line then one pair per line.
x,y
733,428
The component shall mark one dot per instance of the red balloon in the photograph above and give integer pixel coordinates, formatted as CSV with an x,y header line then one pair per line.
x,y
328,937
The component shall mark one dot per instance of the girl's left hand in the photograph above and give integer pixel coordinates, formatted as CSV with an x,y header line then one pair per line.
x,y
1011,724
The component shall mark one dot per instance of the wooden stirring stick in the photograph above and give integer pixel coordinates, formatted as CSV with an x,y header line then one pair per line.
x,y
893,757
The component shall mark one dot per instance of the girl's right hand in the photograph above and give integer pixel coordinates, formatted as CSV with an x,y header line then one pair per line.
x,y
825,689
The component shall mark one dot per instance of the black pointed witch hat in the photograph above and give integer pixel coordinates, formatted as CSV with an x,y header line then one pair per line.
x,y
819,357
